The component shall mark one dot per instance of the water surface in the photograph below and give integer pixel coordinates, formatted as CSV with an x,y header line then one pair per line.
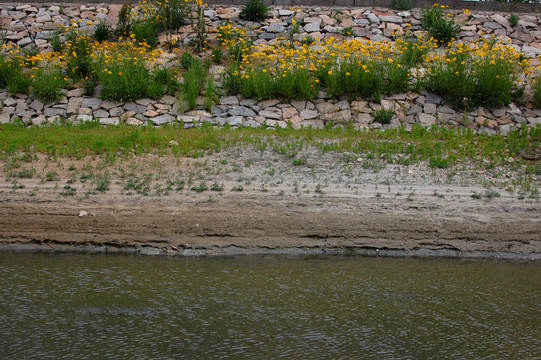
x,y
67,306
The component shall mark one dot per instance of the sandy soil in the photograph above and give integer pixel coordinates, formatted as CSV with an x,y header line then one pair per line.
x,y
263,202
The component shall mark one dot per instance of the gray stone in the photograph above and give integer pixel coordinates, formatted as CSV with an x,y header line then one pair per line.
x,y
312,27
163,119
117,111
241,111
84,118
110,121
101,113
430,108
426,119
391,18
317,124
93,103
486,130
492,25
133,121
139,109
108,105
251,123
38,120
276,28
144,101
229,100
300,105
74,104
234,120
168,100
534,120
50,112
343,105
4,118
308,114
76,92
373,18
268,103
284,12
433,98
36,105
268,114
415,109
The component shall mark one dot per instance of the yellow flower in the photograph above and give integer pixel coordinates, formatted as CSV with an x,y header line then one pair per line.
x,y
330,72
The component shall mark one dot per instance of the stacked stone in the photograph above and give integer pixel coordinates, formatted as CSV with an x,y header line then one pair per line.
x,y
33,25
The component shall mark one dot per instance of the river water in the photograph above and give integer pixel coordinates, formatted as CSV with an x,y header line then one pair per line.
x,y
75,306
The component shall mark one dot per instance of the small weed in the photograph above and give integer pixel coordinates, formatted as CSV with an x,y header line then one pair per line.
x,y
513,20
68,191
52,176
201,187
103,181
217,187
237,188
26,173
299,162
348,31
383,116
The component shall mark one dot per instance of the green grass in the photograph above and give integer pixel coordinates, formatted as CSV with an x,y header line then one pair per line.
x,y
440,144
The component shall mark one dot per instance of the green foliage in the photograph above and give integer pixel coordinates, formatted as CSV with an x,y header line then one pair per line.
x,y
384,116
308,40
217,54
439,162
261,84
47,85
124,20
440,28
413,52
56,44
468,81
146,32
186,60
103,181
78,60
194,82
536,87
173,14
401,5
513,20
102,32
254,10
348,31
12,75
123,79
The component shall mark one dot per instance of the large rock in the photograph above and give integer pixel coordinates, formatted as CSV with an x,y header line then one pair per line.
x,y
163,119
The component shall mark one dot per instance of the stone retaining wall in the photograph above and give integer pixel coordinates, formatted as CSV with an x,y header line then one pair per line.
x,y
32,25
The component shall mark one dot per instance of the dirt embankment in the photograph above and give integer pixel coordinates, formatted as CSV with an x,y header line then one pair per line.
x,y
330,207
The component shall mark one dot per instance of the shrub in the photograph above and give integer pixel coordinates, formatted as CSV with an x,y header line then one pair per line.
x,y
155,89
254,10
186,60
194,81
468,77
146,32
124,19
18,83
401,5
124,78
12,75
102,32
78,60
384,116
47,85
513,20
173,14
536,87
56,44
437,25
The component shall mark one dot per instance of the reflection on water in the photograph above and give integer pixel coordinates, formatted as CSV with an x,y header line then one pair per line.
x,y
95,306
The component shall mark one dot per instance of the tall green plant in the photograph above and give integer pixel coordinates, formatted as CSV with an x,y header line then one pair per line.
x,y
438,26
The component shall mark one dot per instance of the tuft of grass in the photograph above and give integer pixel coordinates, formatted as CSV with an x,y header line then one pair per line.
x,y
513,19
401,5
47,85
437,25
102,32
384,116
254,10
348,31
